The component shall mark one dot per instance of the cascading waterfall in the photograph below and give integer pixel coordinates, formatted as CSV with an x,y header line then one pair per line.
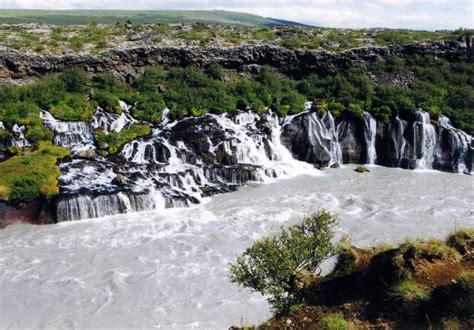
x,y
399,140
370,133
426,145
72,134
184,161
175,170
18,137
461,142
335,146
108,122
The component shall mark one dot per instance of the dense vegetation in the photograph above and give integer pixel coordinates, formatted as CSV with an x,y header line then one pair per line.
x,y
438,86
419,284
26,177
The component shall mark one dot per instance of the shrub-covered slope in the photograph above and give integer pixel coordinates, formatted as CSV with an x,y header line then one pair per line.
x,y
420,284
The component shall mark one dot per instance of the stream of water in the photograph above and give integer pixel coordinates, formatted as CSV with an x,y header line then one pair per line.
x,y
169,269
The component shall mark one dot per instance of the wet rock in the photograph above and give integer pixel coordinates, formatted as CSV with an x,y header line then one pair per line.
x,y
86,154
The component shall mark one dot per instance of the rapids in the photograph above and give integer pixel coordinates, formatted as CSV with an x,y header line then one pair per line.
x,y
169,268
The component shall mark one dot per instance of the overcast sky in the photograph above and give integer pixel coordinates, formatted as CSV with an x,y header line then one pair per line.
x,y
416,14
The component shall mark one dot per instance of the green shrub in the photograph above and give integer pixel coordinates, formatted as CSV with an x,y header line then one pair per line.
x,y
74,107
75,80
270,266
107,101
333,322
361,169
24,178
114,141
149,107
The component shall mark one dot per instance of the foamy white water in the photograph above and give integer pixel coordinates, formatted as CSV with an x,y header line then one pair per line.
x,y
169,269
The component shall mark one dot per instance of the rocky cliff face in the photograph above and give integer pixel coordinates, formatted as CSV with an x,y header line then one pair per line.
x,y
127,63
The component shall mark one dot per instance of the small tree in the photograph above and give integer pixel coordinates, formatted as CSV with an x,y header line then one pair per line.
x,y
272,265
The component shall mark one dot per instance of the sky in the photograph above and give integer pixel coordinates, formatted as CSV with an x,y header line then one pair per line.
x,y
414,14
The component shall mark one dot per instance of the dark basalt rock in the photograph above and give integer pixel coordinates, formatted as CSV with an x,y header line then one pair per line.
x,y
128,63
351,137
37,212
302,136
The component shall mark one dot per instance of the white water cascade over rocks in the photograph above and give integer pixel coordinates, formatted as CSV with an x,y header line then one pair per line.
x,y
76,135
184,161
108,122
370,133
181,163
424,140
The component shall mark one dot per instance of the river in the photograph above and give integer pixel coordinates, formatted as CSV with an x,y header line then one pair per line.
x,y
169,269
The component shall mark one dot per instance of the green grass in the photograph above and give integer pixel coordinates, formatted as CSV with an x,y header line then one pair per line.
x,y
347,259
24,178
459,239
334,322
427,249
410,291
114,141
75,17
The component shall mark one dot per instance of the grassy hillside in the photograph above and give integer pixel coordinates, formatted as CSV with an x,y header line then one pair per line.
x,y
72,17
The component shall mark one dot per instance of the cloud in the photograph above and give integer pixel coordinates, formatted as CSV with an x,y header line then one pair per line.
x,y
416,14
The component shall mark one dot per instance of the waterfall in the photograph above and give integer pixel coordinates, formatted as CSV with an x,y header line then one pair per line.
x,y
78,207
18,137
461,143
399,140
335,147
72,134
184,161
108,122
426,145
370,133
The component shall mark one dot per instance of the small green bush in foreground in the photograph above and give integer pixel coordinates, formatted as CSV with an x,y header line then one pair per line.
x,y
272,264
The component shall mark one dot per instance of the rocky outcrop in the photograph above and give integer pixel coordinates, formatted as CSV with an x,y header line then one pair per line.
x,y
37,212
127,63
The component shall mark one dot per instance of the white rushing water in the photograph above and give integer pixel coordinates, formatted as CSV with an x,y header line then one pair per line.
x,y
428,140
169,269
370,132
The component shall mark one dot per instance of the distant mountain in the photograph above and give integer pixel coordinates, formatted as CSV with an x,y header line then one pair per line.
x,y
71,17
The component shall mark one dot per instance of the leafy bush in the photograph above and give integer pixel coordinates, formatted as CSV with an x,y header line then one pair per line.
x,y
75,80
107,101
271,265
74,107
149,107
